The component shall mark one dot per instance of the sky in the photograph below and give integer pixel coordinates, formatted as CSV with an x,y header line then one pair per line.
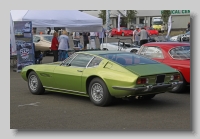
x,y
18,14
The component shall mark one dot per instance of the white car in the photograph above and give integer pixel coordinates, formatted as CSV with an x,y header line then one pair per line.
x,y
113,46
174,38
42,42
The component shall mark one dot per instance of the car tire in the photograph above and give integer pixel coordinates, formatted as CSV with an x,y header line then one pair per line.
x,y
98,93
134,51
180,87
34,84
122,33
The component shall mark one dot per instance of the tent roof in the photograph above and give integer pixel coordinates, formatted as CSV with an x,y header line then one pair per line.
x,y
73,20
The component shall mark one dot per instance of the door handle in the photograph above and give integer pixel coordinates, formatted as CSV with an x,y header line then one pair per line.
x,y
79,70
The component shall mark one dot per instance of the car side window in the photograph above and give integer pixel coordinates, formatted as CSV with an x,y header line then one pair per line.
x,y
69,59
95,62
81,60
35,38
152,52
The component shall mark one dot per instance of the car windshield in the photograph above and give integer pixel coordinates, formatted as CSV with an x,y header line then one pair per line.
x,y
124,28
48,38
149,28
188,33
158,23
181,52
128,59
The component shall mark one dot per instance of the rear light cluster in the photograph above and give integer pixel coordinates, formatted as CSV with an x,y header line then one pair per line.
x,y
142,81
175,77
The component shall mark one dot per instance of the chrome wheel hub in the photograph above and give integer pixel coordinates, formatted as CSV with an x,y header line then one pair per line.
x,y
33,83
97,92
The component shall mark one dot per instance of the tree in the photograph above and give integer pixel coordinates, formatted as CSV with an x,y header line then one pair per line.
x,y
130,14
102,15
165,15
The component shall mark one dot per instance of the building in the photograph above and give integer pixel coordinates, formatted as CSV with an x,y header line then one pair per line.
x,y
180,18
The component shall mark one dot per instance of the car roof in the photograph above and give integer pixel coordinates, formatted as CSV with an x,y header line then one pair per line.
x,y
102,52
43,35
167,44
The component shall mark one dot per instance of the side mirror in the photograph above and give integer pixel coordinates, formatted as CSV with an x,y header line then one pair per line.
x,y
38,40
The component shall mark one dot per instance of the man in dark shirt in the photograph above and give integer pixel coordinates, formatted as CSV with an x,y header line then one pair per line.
x,y
189,26
86,36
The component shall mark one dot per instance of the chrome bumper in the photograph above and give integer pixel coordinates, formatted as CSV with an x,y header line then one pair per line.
x,y
149,87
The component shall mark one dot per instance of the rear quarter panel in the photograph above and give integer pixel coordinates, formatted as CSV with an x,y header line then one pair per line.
x,y
113,75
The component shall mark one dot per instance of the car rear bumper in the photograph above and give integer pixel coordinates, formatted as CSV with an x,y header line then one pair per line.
x,y
149,88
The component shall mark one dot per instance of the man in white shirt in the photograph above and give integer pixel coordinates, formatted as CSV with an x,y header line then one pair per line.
x,y
92,40
136,38
76,38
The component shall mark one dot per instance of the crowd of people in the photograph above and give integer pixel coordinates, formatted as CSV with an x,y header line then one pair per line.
x,y
60,43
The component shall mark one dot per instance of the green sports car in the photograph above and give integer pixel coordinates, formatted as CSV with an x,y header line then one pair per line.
x,y
102,76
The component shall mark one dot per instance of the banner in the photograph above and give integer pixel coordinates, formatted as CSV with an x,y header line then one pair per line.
x,y
125,12
118,23
24,44
13,49
169,25
107,20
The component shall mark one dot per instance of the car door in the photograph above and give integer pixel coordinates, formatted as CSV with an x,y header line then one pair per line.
x,y
152,52
68,75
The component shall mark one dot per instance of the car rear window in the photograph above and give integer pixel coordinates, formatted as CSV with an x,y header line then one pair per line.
x,y
181,52
128,59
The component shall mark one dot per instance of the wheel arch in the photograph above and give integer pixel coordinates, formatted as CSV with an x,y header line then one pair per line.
x,y
28,72
89,79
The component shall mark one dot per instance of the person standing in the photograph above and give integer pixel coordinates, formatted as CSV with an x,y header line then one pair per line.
x,y
76,38
48,30
92,40
136,38
162,28
54,46
63,45
86,39
101,36
143,36
188,26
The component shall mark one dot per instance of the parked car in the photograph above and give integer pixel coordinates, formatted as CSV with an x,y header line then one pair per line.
x,y
186,37
123,32
174,38
121,45
151,31
173,54
42,42
180,37
102,76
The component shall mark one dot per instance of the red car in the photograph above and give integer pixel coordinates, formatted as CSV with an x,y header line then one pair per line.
x,y
123,32
173,54
152,31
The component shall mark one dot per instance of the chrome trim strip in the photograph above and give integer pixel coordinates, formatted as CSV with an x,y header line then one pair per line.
x,y
64,90
90,61
148,87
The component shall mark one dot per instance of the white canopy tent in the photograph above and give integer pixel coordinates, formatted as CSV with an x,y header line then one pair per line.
x,y
72,20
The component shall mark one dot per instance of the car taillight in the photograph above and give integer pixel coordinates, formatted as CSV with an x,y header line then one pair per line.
x,y
142,80
175,77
